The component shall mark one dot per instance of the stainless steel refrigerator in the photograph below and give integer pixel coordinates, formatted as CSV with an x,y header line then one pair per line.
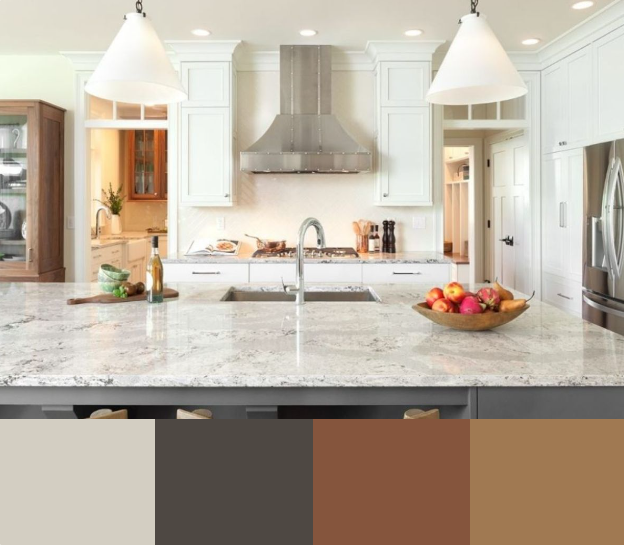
x,y
603,240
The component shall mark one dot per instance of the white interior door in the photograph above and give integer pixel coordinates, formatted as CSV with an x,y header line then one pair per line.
x,y
510,213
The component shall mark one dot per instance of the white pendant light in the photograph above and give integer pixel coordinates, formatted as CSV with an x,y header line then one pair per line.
x,y
136,69
476,69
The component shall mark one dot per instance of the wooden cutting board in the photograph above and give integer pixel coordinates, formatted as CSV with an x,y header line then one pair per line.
x,y
109,298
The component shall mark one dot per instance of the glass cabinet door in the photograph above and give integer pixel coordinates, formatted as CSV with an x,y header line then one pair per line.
x,y
148,160
14,189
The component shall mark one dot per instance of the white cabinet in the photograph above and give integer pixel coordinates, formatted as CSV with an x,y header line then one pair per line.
x,y
208,135
226,273
567,110
136,253
207,154
405,83
403,137
109,255
562,228
405,273
609,75
320,273
207,83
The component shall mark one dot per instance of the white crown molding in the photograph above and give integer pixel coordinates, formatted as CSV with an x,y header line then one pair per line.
x,y
402,50
83,61
203,50
601,23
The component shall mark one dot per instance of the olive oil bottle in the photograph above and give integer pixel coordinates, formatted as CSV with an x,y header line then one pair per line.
x,y
154,281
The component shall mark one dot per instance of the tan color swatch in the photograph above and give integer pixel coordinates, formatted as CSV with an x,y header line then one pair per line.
x,y
542,482
77,482
395,482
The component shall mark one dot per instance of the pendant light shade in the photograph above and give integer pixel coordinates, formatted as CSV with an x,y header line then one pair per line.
x,y
136,69
476,69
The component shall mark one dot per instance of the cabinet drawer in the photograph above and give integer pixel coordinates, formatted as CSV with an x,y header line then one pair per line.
x,y
435,275
226,273
314,272
563,293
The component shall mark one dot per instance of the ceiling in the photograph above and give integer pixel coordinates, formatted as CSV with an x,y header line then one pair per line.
x,y
50,26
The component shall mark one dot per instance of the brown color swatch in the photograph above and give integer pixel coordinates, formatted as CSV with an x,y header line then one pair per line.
x,y
546,482
234,482
391,482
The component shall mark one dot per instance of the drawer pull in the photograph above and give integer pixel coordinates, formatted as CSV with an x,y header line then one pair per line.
x,y
407,273
565,297
207,272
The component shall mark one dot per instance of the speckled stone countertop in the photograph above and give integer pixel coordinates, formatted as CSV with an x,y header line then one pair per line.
x,y
403,257
199,341
127,236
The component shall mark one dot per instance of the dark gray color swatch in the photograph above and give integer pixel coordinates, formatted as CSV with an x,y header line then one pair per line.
x,y
234,482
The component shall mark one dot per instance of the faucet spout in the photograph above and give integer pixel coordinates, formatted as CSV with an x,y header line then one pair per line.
x,y
109,215
299,289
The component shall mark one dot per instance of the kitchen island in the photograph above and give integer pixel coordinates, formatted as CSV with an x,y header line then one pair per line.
x,y
200,351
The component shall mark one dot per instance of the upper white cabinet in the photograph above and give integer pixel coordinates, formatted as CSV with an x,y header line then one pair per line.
x,y
403,137
608,56
208,84
208,135
405,166
567,102
405,83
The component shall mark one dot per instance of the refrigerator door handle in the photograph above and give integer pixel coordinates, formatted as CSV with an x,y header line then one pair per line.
x,y
615,181
602,308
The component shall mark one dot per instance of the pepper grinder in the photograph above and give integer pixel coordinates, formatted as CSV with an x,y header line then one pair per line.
x,y
385,241
391,238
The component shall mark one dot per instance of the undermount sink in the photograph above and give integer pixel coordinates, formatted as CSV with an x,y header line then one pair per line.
x,y
353,294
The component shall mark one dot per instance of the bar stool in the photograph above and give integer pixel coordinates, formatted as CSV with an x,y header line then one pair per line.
x,y
197,414
418,414
108,414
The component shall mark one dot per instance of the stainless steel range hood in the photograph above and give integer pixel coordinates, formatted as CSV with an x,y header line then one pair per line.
x,y
306,138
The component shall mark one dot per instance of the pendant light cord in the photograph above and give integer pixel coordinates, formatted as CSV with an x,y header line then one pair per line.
x,y
473,7
139,7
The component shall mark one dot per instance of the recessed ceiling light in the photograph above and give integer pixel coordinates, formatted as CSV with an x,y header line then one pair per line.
x,y
531,41
412,33
308,32
200,32
583,5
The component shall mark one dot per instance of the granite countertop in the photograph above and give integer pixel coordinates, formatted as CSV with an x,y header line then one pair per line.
x,y
111,240
198,341
245,257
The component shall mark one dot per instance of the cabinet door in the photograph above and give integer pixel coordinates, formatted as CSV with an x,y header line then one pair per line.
x,y
207,84
573,175
405,177
579,89
553,204
206,157
147,175
405,84
608,54
554,107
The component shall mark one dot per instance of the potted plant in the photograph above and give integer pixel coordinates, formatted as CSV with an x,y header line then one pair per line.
x,y
114,201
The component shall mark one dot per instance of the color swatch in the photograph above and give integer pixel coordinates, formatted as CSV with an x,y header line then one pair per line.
x,y
304,482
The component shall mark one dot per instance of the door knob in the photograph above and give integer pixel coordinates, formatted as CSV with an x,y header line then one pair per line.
x,y
509,241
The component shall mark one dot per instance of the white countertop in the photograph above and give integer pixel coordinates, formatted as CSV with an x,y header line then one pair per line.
x,y
198,341
402,257
112,240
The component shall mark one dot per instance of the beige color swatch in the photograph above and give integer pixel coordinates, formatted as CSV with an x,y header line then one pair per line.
x,y
542,482
77,482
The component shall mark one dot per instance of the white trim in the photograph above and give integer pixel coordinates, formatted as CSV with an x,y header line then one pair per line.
x,y
126,124
173,177
485,124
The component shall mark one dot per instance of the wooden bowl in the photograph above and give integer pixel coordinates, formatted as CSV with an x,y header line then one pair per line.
x,y
475,322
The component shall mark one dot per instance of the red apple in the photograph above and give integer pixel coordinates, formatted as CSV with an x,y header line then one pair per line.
x,y
433,295
444,305
455,292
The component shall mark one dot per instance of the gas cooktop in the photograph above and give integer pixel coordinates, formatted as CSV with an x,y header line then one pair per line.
x,y
311,253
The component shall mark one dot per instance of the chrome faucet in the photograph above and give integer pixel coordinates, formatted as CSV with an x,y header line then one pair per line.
x,y
109,215
299,288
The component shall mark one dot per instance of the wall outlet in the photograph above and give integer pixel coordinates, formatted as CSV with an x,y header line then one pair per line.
x,y
71,222
419,222
221,224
